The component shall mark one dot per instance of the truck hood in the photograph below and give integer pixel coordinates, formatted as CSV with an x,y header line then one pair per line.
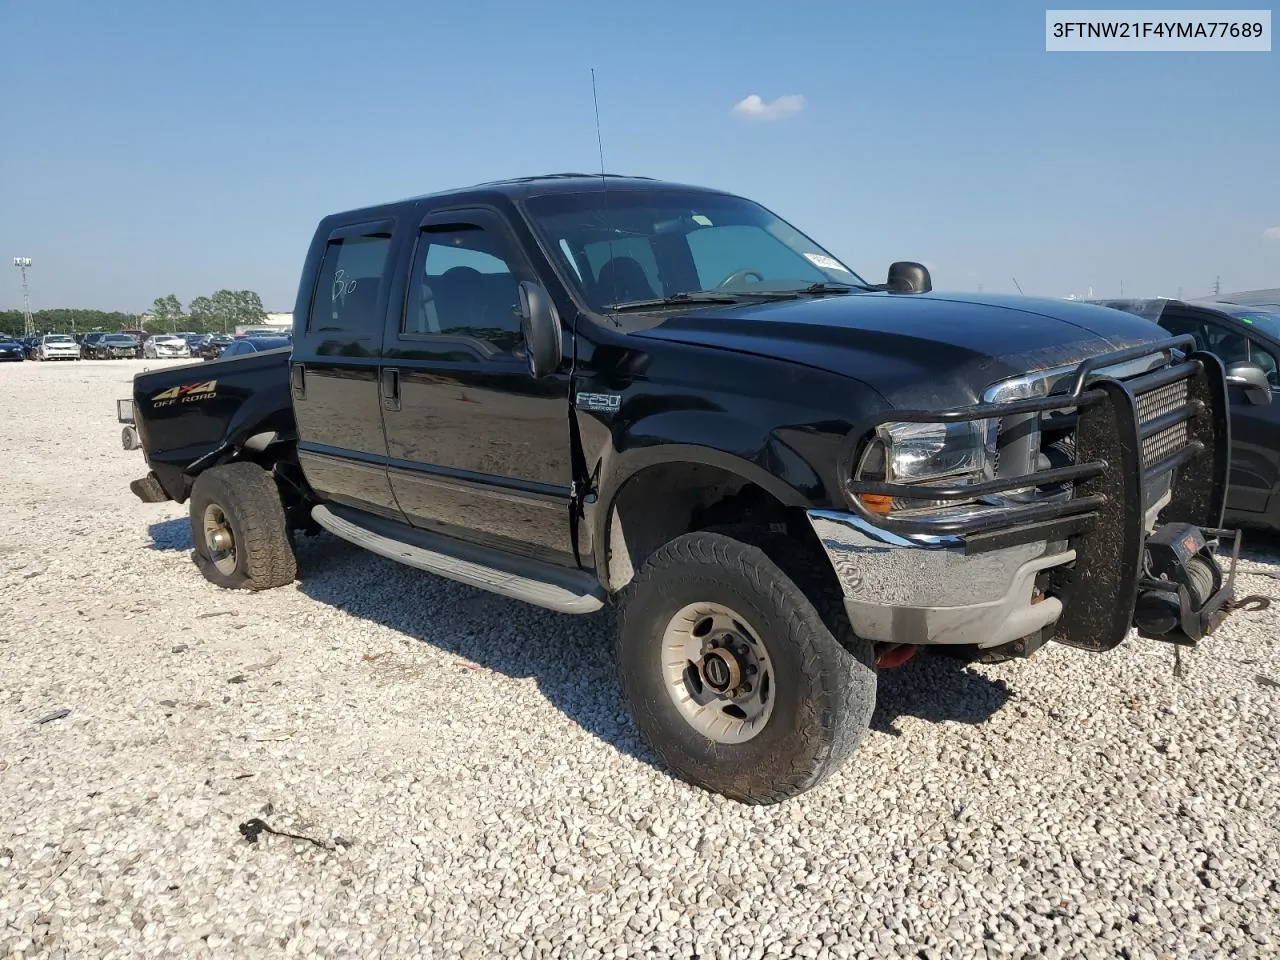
x,y
914,349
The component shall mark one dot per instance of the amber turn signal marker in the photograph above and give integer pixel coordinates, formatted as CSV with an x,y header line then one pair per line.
x,y
877,503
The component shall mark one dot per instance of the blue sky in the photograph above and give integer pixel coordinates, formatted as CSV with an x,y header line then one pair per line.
x,y
154,147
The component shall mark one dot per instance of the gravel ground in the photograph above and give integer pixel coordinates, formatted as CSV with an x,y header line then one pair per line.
x,y
469,785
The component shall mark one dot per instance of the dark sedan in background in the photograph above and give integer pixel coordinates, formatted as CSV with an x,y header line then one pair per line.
x,y
112,346
214,344
11,349
245,345
1247,339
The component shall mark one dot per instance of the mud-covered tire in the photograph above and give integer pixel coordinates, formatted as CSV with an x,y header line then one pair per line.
x,y
825,683
246,496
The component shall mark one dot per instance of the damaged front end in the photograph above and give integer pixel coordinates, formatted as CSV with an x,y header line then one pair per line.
x,y
1099,509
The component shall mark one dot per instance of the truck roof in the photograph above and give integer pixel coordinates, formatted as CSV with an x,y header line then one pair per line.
x,y
518,188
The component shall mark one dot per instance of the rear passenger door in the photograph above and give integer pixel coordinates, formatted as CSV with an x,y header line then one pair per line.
x,y
477,449
334,371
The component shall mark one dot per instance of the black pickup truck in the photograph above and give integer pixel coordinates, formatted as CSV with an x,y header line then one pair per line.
x,y
576,390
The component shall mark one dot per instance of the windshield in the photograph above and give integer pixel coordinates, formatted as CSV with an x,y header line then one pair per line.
x,y
58,338
631,246
1267,321
118,338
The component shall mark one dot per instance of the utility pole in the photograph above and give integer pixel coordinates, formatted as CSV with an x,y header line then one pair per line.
x,y
1217,286
28,324
1122,289
1179,293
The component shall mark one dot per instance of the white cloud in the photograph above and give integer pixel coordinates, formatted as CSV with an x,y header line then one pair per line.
x,y
1271,233
758,109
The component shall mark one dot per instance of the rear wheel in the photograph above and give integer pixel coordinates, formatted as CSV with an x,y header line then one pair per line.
x,y
735,677
238,529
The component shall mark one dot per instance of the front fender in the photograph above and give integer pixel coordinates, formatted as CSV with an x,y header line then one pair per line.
x,y
703,437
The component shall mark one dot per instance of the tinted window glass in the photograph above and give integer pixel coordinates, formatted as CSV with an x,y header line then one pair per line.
x,y
643,244
346,296
1266,360
1231,345
465,287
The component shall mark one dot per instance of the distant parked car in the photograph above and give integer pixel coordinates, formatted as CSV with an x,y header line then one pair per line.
x,y
114,346
57,346
11,349
165,346
212,348
1247,340
254,345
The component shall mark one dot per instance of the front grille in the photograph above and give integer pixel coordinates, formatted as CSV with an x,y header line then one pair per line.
x,y
1157,403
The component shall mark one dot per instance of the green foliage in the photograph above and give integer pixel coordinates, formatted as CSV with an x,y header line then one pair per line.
x,y
226,310
222,312
166,314
64,320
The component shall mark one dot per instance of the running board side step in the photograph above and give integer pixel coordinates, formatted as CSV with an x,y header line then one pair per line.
x,y
540,584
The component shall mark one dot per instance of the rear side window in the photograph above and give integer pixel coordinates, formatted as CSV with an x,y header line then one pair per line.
x,y
346,295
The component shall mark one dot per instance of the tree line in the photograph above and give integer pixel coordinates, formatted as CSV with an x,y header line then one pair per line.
x,y
63,320
220,312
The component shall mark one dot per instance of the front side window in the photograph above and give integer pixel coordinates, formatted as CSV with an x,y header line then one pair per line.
x,y
465,286
346,295
634,245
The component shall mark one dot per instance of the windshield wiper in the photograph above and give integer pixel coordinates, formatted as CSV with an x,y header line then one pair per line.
x,y
674,299
822,289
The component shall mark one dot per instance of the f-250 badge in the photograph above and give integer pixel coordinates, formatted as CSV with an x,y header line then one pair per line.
x,y
599,402
186,393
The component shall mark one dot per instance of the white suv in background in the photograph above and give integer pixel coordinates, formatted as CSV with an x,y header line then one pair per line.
x,y
57,346
164,345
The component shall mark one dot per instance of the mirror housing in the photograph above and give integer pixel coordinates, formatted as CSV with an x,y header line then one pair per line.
x,y
907,276
1250,378
540,324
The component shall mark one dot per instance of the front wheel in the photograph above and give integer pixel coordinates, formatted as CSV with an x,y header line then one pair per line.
x,y
734,676
238,529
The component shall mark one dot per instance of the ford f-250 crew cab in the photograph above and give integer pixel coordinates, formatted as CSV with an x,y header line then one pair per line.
x,y
574,390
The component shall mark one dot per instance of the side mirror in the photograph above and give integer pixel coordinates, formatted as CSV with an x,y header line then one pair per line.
x,y
906,276
540,324
1250,378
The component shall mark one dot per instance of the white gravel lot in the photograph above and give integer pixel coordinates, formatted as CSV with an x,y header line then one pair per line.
x,y
475,788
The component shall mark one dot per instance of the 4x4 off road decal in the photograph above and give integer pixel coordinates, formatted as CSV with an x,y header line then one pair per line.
x,y
186,393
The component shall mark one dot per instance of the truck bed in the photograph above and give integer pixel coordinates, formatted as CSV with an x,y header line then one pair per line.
x,y
191,416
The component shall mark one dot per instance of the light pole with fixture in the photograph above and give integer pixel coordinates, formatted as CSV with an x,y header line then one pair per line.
x,y
28,324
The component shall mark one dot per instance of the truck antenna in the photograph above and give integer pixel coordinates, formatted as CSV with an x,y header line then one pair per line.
x,y
1015,283
604,181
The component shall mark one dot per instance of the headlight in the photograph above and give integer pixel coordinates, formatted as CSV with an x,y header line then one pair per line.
x,y
933,451
949,454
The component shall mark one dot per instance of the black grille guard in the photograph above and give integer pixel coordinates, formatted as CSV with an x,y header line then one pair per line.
x,y
1109,474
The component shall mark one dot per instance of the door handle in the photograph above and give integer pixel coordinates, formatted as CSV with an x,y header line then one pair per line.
x,y
298,382
390,388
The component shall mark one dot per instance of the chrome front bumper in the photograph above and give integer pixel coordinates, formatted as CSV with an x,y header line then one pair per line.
x,y
925,590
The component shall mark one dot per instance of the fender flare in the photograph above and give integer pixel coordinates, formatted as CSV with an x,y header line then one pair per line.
x,y
756,457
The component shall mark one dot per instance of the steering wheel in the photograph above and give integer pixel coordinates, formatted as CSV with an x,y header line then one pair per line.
x,y
739,276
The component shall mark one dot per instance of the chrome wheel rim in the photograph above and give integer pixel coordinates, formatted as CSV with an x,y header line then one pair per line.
x,y
219,539
718,673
